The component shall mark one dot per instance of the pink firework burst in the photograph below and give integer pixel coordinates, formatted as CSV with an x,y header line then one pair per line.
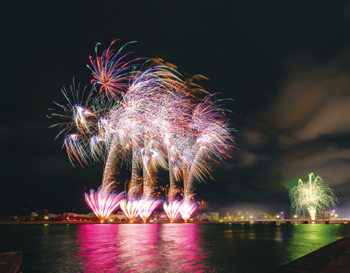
x,y
187,209
146,206
104,201
130,209
172,209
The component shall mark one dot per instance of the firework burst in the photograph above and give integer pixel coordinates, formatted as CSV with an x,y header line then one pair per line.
x,y
130,209
146,120
110,71
85,124
146,206
187,209
312,196
172,209
103,202
210,141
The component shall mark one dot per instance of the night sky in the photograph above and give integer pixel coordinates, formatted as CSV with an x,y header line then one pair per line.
x,y
285,65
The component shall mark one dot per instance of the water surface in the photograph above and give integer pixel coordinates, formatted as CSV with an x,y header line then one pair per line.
x,y
164,247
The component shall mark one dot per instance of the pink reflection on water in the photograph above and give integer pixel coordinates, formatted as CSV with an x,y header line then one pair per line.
x,y
98,247
180,242
140,248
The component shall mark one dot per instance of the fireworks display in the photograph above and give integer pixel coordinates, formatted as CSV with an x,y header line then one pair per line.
x,y
312,196
104,201
187,209
172,209
146,118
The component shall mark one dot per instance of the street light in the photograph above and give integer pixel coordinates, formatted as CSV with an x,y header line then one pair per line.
x,y
295,216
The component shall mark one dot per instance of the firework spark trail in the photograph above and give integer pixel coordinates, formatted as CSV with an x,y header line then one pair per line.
x,y
312,196
170,131
147,173
111,168
66,112
97,147
213,140
151,158
139,120
86,139
103,202
75,149
142,120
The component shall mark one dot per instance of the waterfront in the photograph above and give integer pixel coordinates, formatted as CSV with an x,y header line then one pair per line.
x,y
164,248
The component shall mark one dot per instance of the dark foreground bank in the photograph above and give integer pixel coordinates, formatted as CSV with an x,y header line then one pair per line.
x,y
334,257
10,261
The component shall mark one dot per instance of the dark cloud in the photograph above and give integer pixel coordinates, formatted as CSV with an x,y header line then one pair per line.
x,y
305,129
314,100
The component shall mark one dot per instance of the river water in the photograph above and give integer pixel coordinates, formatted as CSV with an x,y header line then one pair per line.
x,y
164,247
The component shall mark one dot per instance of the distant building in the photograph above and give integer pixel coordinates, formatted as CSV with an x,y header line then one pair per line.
x,y
91,214
202,216
227,218
211,217
281,215
332,214
248,216
327,215
33,215
260,216
263,216
120,215
71,216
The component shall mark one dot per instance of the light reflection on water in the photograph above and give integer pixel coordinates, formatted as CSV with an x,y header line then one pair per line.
x,y
140,248
164,248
